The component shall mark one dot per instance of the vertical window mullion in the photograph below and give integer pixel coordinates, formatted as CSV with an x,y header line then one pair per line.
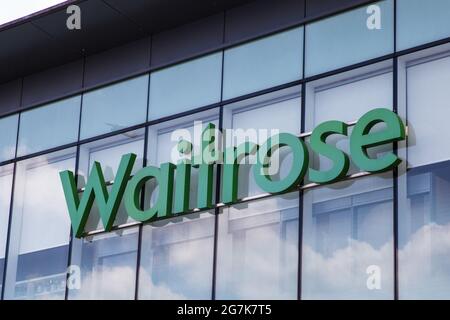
x,y
218,170
2,293
77,163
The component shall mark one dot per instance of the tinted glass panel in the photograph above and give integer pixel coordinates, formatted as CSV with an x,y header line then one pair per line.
x,y
348,240
428,112
349,38
185,86
419,22
8,128
424,250
177,258
49,126
263,63
40,229
115,107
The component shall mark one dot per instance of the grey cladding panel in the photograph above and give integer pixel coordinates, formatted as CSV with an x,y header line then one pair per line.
x,y
52,83
117,62
10,97
188,40
260,17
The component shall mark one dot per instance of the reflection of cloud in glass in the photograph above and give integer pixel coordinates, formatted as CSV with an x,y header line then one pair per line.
x,y
40,221
7,152
258,252
115,283
160,291
40,198
343,274
424,268
424,264
262,274
179,257
118,283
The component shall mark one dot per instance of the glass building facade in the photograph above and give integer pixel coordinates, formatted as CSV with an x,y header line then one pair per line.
x,y
378,236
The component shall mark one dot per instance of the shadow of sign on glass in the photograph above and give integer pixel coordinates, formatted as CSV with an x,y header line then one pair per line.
x,y
173,198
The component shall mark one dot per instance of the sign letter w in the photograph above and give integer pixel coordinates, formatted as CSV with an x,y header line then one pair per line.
x,y
108,204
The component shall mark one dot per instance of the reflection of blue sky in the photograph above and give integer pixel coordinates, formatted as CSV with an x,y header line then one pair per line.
x,y
103,110
8,128
38,126
424,233
425,264
343,274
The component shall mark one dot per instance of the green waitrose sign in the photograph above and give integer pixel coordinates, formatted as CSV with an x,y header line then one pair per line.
x,y
128,187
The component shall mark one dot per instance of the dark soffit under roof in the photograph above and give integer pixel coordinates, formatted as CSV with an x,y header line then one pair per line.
x,y
41,40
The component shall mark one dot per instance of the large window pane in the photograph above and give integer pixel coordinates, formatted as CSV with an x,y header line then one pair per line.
x,y
424,246
419,22
108,152
255,120
424,181
8,128
257,255
350,37
115,107
177,258
6,175
264,63
49,126
428,109
346,97
108,266
348,240
185,86
40,229
177,254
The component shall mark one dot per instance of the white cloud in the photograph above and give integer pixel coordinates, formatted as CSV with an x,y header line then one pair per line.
x,y
343,274
424,264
